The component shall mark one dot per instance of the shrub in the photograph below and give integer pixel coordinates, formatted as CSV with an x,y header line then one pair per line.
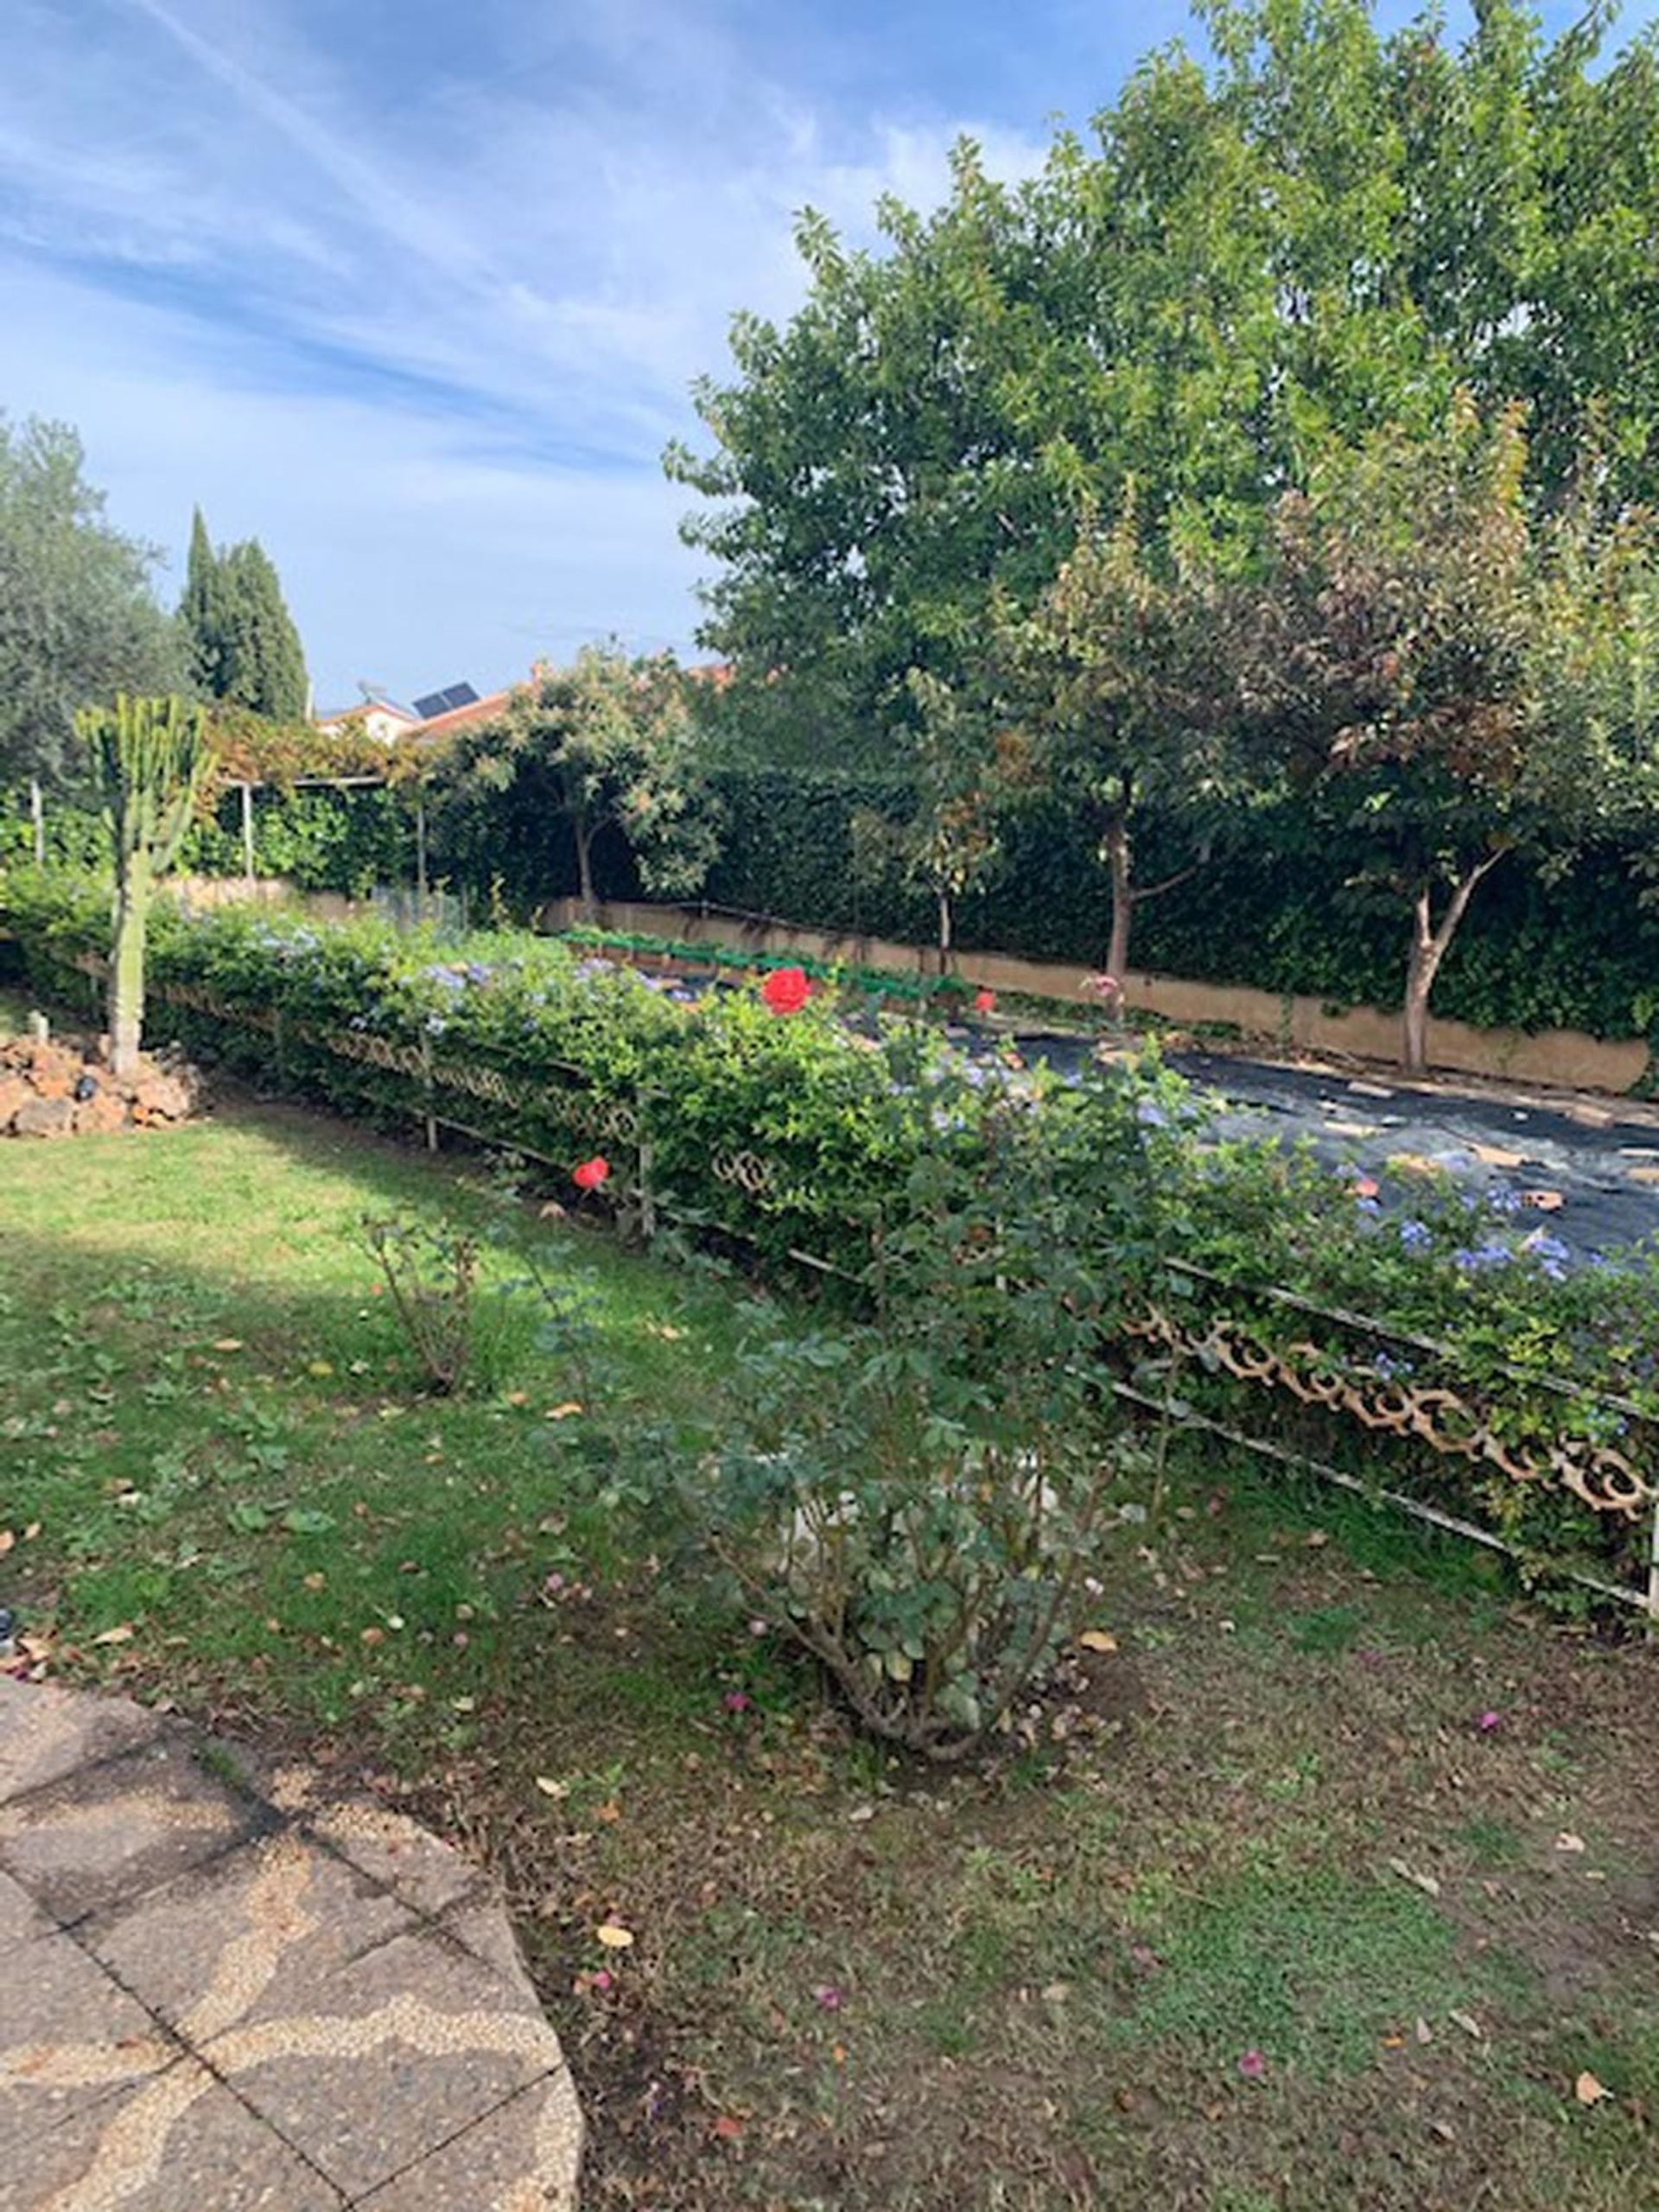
x,y
923,1501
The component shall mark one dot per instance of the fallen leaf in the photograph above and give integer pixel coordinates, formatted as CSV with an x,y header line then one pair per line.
x,y
1429,1884
1470,2025
1097,1639
517,1397
614,1936
372,1635
31,1532
1423,2032
1588,2090
122,1634
728,2129
1318,1539
548,1787
563,1413
6,1540
1494,1155
228,1344
1546,1201
1567,1841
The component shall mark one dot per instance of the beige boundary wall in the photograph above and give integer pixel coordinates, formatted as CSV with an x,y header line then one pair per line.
x,y
1566,1057
1551,1056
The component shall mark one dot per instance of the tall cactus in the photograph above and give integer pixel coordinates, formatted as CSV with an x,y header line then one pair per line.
x,y
150,760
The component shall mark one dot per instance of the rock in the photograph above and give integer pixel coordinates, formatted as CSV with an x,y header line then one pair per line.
x,y
163,1097
13,1091
44,1117
100,1114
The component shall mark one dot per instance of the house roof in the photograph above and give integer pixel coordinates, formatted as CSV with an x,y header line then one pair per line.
x,y
476,710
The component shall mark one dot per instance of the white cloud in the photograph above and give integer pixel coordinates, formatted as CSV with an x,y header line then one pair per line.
x,y
232,254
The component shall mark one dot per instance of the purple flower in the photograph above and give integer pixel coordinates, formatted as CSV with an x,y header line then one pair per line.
x,y
1416,1235
1487,1721
1252,2065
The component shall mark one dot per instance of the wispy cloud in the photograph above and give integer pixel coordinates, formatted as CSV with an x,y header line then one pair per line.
x,y
416,296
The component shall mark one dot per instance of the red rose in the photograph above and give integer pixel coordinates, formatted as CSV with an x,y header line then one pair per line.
x,y
787,990
984,1001
591,1174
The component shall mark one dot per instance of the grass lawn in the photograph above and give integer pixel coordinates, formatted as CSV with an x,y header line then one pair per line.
x,y
1272,1826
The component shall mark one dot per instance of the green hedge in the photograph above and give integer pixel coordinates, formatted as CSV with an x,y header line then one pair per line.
x,y
790,1135
317,839
1275,907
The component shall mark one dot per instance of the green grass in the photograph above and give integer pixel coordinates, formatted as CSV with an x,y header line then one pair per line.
x,y
1020,1987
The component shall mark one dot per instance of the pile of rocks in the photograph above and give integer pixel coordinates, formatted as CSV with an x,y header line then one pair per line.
x,y
51,1088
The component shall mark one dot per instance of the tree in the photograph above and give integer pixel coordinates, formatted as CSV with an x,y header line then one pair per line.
x,y
1122,685
240,637
605,743
1463,677
151,762
1322,229
964,764
78,620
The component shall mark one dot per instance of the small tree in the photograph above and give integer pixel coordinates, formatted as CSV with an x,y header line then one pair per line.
x,y
962,766
607,742
1424,648
1120,676
150,760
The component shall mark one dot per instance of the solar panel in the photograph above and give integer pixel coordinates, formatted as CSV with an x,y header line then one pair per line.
x,y
441,702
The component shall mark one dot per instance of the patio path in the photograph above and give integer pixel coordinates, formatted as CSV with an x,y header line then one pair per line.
x,y
225,1990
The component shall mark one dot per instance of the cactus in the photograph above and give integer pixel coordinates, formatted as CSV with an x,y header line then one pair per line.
x,y
151,759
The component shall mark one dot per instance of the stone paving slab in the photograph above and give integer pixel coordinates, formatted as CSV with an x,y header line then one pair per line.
x,y
223,1998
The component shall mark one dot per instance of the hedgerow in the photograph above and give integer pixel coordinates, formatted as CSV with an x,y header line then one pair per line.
x,y
800,1143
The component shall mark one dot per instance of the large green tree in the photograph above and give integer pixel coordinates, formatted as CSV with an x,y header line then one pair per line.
x,y
78,619
1320,228
240,638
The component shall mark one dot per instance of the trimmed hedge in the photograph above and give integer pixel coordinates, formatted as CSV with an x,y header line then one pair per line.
x,y
794,1136
1276,906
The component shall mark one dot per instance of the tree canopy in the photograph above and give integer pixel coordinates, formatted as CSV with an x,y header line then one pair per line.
x,y
1323,227
78,619
240,637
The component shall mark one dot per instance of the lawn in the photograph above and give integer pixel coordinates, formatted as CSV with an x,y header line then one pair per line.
x,y
1260,1916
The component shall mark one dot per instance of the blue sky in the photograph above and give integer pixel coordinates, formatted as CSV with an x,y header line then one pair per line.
x,y
414,290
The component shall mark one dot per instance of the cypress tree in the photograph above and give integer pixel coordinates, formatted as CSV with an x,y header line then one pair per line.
x,y
240,638
200,622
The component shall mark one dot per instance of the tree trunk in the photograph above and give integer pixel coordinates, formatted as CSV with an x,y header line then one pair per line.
x,y
1429,942
1116,841
944,898
585,868
127,975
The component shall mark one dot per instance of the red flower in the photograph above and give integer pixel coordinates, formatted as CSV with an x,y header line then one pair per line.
x,y
591,1174
984,1001
787,990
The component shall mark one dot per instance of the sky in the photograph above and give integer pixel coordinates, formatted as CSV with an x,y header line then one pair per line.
x,y
414,290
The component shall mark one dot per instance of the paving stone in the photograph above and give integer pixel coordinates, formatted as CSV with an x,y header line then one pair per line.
x,y
413,1863
523,2156
115,1829
181,2143
67,2037
392,2054
249,1937
47,1732
21,1918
